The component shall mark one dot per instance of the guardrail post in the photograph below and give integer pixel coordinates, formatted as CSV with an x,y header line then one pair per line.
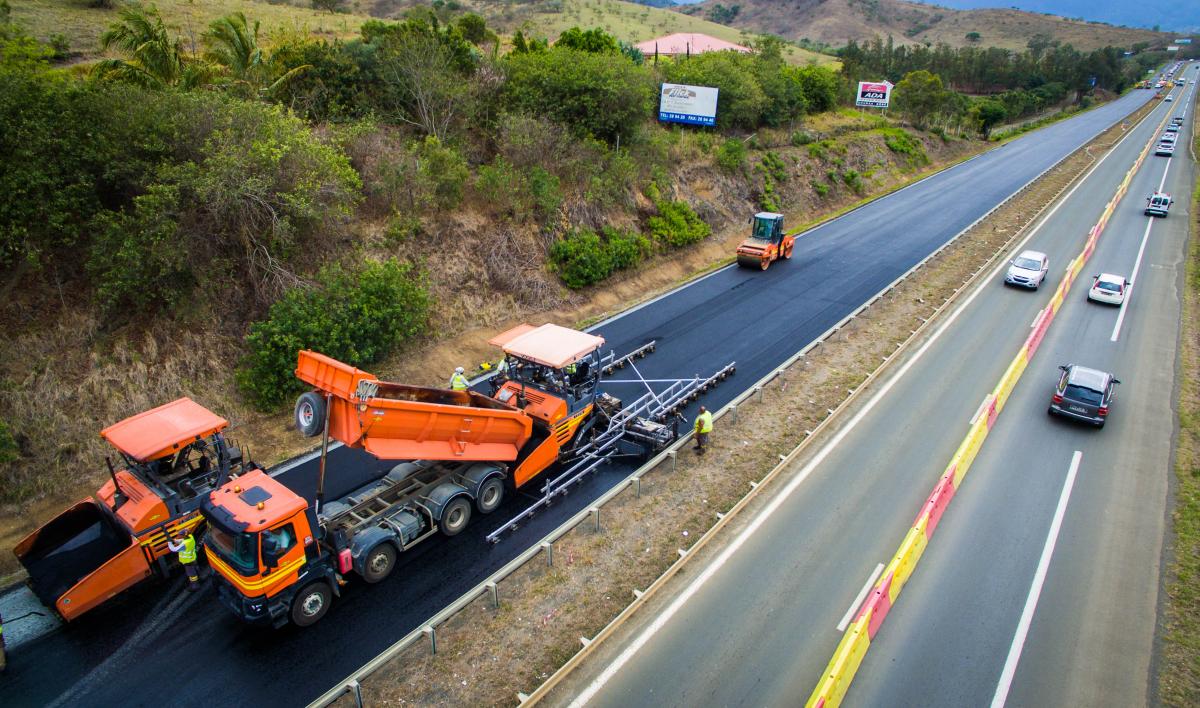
x,y
733,412
495,592
432,634
356,687
674,459
758,392
595,512
548,548
637,487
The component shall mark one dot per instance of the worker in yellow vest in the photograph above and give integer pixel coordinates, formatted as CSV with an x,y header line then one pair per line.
x,y
184,544
458,382
703,427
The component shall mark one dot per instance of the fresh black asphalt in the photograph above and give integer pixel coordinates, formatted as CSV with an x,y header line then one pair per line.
x,y
147,649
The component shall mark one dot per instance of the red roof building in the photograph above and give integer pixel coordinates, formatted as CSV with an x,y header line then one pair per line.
x,y
683,43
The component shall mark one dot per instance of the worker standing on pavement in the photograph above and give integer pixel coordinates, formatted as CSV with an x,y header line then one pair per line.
x,y
458,382
703,427
184,543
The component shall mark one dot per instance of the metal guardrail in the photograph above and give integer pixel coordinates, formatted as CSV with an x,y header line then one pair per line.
x,y
427,630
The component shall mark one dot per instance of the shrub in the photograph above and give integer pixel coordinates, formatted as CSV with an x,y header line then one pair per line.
x,y
677,225
820,188
584,257
519,194
801,137
853,180
357,316
445,170
731,156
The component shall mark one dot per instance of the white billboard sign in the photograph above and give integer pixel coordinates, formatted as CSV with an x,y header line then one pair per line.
x,y
873,94
694,105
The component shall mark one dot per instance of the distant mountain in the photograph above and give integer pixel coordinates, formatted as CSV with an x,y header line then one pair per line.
x,y
1170,15
659,3
835,22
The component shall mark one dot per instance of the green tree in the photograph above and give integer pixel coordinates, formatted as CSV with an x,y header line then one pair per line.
x,y
974,36
155,58
988,113
232,44
595,40
743,100
919,96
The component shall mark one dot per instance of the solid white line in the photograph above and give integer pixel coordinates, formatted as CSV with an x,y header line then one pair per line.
x,y
978,410
858,601
1033,324
1137,265
1035,589
661,620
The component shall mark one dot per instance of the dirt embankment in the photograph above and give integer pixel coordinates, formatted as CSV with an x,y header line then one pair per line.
x,y
487,655
63,376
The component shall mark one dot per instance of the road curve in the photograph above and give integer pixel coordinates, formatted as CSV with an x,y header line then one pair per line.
x,y
125,654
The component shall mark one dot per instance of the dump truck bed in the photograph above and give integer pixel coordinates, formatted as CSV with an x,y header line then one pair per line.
x,y
399,422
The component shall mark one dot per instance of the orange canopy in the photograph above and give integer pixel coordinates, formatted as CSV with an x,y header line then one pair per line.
x,y
549,345
163,430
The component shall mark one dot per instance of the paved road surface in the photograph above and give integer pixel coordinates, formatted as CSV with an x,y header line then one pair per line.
x,y
758,319
760,629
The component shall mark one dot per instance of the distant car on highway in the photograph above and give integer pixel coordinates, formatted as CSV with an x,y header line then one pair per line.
x,y
1170,97
1108,288
1157,204
1168,137
1166,149
1172,129
1083,394
1028,270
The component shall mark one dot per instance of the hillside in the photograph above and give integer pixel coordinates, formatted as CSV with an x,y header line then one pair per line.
x,y
836,21
1168,14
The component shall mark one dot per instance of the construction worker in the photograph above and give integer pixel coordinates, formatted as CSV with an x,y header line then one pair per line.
x,y
184,543
458,382
502,367
703,428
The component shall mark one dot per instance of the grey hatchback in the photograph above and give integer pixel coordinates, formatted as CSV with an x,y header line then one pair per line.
x,y
1083,394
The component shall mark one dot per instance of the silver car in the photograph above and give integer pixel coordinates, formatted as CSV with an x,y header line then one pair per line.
x,y
1083,394
1028,270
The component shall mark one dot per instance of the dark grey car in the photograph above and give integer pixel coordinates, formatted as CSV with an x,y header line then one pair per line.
x,y
1083,394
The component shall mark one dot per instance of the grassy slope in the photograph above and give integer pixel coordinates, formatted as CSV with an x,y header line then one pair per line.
x,y
83,25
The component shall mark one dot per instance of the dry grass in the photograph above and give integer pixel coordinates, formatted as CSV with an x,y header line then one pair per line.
x,y
487,655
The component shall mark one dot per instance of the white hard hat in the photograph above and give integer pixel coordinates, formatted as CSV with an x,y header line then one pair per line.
x,y
458,370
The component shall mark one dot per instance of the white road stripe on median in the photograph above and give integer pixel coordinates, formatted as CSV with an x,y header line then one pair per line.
x,y
1035,589
639,641
1137,265
858,601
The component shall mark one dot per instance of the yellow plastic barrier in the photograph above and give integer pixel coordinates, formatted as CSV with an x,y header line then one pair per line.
x,y
842,667
905,560
1009,380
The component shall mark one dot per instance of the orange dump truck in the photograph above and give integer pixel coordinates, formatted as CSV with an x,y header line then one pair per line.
x,y
173,456
279,559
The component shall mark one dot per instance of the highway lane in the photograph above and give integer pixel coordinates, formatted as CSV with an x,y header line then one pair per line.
x,y
768,614
700,328
1090,641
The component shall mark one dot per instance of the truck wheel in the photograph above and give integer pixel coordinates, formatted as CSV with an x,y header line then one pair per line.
x,y
310,414
764,263
455,516
491,493
310,604
379,563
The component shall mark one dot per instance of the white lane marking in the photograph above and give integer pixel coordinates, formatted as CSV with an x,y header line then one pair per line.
x,y
1033,324
590,691
1137,265
1035,589
858,601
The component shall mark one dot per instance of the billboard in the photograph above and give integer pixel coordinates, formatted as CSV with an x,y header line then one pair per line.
x,y
873,95
1172,48
694,105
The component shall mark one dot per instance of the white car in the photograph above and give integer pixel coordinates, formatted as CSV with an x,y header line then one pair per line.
x,y
1165,149
1028,270
1169,98
1108,288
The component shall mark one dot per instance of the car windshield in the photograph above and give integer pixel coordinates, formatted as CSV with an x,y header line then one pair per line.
x,y
1083,394
1027,264
236,548
1109,286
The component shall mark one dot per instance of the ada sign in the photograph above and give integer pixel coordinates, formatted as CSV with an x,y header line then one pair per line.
x,y
873,95
695,105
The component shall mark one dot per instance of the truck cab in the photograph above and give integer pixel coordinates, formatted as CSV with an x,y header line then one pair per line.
x,y
767,242
170,458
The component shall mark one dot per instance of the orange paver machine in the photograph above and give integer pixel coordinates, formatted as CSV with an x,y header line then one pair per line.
x,y
171,458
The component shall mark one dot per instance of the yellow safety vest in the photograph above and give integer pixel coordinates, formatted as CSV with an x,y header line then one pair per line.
x,y
704,422
458,382
569,368
188,553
